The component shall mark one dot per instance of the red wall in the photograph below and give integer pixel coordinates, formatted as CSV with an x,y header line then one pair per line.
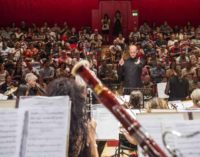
x,y
174,11
78,12
75,12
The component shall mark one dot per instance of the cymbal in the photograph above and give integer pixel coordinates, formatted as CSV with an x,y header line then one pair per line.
x,y
10,91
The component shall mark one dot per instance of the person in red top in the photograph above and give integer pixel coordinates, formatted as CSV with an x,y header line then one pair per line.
x,y
175,50
64,58
30,51
140,51
64,37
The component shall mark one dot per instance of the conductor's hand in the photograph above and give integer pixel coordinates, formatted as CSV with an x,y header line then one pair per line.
x,y
121,61
138,61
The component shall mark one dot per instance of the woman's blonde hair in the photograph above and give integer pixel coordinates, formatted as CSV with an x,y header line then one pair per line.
x,y
156,103
195,96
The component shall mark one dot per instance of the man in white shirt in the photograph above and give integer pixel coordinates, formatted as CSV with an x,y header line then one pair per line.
x,y
96,33
5,50
115,49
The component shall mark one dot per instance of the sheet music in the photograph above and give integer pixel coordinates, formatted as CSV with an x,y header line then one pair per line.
x,y
133,112
3,97
152,123
48,112
31,102
11,121
161,90
175,105
47,132
187,104
123,99
180,105
188,147
107,125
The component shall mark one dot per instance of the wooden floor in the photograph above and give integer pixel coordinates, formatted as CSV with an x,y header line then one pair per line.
x,y
109,151
112,152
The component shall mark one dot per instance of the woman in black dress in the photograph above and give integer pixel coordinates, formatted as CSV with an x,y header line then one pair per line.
x,y
117,23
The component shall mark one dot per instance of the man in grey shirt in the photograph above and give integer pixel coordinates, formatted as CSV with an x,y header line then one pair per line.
x,y
47,73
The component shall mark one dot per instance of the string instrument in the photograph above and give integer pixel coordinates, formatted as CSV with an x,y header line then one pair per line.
x,y
40,90
149,146
11,88
37,90
10,91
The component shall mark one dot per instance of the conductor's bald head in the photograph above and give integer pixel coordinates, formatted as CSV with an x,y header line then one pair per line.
x,y
132,51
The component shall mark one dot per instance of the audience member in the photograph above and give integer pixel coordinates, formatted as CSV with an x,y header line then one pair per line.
x,y
105,28
117,28
24,48
115,51
47,72
3,73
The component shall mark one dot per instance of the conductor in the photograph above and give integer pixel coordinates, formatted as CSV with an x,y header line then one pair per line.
x,y
130,71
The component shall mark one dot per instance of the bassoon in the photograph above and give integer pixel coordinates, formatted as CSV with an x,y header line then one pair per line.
x,y
109,100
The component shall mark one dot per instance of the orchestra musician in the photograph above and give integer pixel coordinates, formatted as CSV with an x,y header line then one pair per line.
x,y
31,88
82,142
155,103
8,87
195,96
136,100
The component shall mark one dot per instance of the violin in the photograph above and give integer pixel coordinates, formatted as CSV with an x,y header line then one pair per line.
x,y
37,90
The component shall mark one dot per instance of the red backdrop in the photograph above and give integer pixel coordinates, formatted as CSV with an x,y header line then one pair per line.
x,y
78,12
174,11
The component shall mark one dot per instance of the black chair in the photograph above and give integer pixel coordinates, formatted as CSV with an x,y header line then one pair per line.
x,y
123,146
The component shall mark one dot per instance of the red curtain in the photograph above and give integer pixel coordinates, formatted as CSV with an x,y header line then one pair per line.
x,y
176,12
76,12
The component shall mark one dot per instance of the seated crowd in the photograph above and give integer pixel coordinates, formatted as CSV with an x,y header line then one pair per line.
x,y
51,52
170,55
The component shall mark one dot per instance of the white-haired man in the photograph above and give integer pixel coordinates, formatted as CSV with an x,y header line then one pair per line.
x,y
32,87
